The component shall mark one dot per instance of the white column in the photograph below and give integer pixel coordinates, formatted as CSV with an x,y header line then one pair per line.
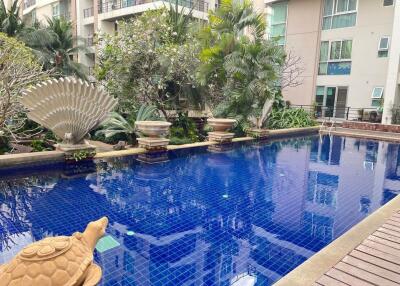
x,y
391,89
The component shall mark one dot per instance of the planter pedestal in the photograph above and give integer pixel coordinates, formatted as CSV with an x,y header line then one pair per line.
x,y
220,137
153,144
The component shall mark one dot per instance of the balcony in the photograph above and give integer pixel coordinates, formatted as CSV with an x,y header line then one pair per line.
x,y
112,5
90,41
88,12
29,3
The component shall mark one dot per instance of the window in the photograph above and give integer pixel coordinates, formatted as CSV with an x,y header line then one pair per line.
x,y
277,21
383,49
56,10
388,2
377,96
335,57
339,14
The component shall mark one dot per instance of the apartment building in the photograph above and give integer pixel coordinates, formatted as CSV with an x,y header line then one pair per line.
x,y
95,17
349,51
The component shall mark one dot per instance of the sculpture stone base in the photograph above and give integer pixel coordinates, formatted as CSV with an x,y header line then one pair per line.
x,y
153,144
74,147
258,133
220,137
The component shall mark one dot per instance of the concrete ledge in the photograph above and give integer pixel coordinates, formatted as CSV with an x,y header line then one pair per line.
x,y
29,158
364,134
293,131
14,160
314,267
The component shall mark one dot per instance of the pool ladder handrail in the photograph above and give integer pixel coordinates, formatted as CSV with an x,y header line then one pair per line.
x,y
321,129
333,122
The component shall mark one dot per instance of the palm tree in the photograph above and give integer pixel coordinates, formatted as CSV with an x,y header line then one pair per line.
x,y
10,22
55,47
238,64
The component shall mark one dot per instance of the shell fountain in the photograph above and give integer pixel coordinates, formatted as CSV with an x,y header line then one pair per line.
x,y
61,260
69,107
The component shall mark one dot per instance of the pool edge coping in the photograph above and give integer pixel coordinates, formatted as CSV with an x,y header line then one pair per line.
x,y
317,265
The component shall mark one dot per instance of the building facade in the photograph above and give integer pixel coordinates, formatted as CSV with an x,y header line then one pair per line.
x,y
92,18
349,51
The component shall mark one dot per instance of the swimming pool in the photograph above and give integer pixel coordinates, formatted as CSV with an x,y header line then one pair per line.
x,y
205,218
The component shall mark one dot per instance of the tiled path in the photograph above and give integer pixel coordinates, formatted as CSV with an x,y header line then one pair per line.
x,y
376,261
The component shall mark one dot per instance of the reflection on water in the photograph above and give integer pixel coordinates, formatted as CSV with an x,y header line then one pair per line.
x,y
208,218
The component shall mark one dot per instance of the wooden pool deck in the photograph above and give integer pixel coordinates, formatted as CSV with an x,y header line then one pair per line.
x,y
376,261
367,254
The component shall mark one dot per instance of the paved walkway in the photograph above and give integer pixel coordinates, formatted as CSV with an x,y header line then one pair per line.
x,y
376,261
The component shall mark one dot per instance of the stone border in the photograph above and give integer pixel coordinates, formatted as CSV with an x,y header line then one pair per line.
x,y
16,160
318,264
364,134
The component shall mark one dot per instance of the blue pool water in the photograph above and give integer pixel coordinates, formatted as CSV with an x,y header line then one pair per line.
x,y
205,218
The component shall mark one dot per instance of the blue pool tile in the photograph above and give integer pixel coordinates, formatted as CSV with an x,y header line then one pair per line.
x,y
205,218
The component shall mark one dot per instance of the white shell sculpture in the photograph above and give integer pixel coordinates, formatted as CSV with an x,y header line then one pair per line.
x,y
68,106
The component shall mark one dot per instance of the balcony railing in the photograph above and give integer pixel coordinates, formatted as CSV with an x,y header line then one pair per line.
x,y
111,5
90,41
88,12
29,3
345,113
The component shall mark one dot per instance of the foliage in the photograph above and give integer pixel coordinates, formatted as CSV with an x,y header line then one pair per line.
x,y
39,145
183,130
149,61
82,155
240,70
19,70
10,22
4,144
290,118
55,45
117,124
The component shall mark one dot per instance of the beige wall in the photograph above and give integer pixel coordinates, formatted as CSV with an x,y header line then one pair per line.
x,y
367,71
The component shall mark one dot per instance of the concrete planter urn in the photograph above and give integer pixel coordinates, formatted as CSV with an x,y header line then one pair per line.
x,y
221,127
221,124
154,134
154,129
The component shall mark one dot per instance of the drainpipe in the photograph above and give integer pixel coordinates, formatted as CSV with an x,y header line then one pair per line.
x,y
392,79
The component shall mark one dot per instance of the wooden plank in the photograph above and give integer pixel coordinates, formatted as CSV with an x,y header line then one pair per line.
x,y
387,236
389,231
375,260
365,275
392,227
381,247
329,281
394,223
380,254
349,279
384,241
395,218
377,270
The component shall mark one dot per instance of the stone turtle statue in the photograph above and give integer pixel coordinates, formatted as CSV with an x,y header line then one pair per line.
x,y
56,261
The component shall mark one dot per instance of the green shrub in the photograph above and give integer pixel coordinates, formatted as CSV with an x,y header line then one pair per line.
x,y
290,118
183,130
4,144
39,146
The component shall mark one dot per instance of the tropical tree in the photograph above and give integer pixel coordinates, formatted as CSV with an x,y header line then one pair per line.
x,y
19,69
55,46
151,61
10,22
239,67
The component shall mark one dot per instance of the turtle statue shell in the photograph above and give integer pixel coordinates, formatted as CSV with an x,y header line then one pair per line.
x,y
56,261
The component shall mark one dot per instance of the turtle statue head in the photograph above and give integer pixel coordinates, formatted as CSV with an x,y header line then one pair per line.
x,y
94,231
